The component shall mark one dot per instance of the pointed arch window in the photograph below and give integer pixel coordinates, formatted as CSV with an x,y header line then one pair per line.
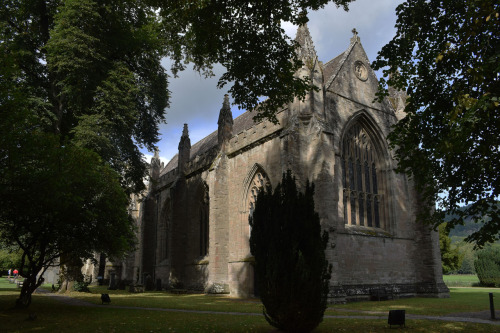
x,y
204,222
363,202
164,230
258,182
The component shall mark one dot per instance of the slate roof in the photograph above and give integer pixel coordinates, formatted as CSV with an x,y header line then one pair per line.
x,y
245,121
332,67
241,123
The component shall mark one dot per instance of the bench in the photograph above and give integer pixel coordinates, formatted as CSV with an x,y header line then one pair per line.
x,y
380,294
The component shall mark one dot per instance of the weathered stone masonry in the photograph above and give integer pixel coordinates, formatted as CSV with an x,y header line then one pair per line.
x,y
193,221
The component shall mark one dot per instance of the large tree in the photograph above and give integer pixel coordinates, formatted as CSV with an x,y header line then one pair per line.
x,y
451,258
91,70
78,78
56,201
292,272
446,54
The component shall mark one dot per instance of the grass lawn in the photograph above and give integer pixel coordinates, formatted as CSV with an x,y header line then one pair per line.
x,y
461,300
156,299
55,316
461,280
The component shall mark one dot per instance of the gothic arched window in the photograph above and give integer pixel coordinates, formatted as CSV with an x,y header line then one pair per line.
x,y
258,182
204,221
363,201
164,230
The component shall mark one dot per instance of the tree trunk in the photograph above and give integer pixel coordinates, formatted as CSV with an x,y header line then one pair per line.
x,y
66,286
29,286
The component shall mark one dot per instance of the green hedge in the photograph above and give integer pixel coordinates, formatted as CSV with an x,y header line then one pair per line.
x,y
487,266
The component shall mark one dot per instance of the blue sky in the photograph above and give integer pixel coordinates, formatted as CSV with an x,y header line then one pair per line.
x,y
197,101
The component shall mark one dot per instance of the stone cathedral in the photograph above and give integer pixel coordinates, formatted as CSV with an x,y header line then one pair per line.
x,y
193,226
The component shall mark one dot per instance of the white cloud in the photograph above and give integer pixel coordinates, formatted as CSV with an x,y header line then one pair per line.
x,y
197,101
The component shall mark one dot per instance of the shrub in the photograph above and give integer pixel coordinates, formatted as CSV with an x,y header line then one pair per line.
x,y
81,286
451,258
487,266
292,274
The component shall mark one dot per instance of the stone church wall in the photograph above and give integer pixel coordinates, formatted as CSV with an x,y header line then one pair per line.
x,y
194,230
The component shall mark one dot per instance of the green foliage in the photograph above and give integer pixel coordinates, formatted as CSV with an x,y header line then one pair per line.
x,y
56,200
487,266
91,72
81,286
446,55
9,259
247,38
469,255
291,270
451,258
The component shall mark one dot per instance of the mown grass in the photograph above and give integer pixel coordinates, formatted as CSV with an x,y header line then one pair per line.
x,y
172,301
7,285
56,316
461,280
461,300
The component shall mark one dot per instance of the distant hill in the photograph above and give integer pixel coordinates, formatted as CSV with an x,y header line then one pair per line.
x,y
459,232
465,230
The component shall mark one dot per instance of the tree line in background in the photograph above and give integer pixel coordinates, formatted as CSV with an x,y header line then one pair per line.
x,y
461,257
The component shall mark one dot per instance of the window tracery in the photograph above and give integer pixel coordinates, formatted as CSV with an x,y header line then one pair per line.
x,y
362,198
259,181
204,221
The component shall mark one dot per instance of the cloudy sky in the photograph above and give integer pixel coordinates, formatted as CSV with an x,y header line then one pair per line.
x,y
197,101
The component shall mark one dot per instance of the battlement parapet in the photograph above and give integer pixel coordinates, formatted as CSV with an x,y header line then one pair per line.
x,y
204,160
254,134
168,178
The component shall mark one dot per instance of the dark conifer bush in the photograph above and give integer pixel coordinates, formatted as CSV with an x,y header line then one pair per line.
x,y
292,273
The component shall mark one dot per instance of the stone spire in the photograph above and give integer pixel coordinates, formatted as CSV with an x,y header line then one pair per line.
x,y
306,52
312,105
184,148
225,122
155,165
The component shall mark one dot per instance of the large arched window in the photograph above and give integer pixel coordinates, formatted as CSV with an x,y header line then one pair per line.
x,y
164,229
258,182
361,179
204,221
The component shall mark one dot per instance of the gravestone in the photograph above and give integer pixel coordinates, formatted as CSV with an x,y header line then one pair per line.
x,y
112,281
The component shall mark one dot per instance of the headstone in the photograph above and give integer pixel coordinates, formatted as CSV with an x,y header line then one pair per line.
x,y
149,283
396,317
99,280
112,281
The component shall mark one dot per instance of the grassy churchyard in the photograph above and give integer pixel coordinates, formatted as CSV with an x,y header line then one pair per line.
x,y
165,312
461,280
